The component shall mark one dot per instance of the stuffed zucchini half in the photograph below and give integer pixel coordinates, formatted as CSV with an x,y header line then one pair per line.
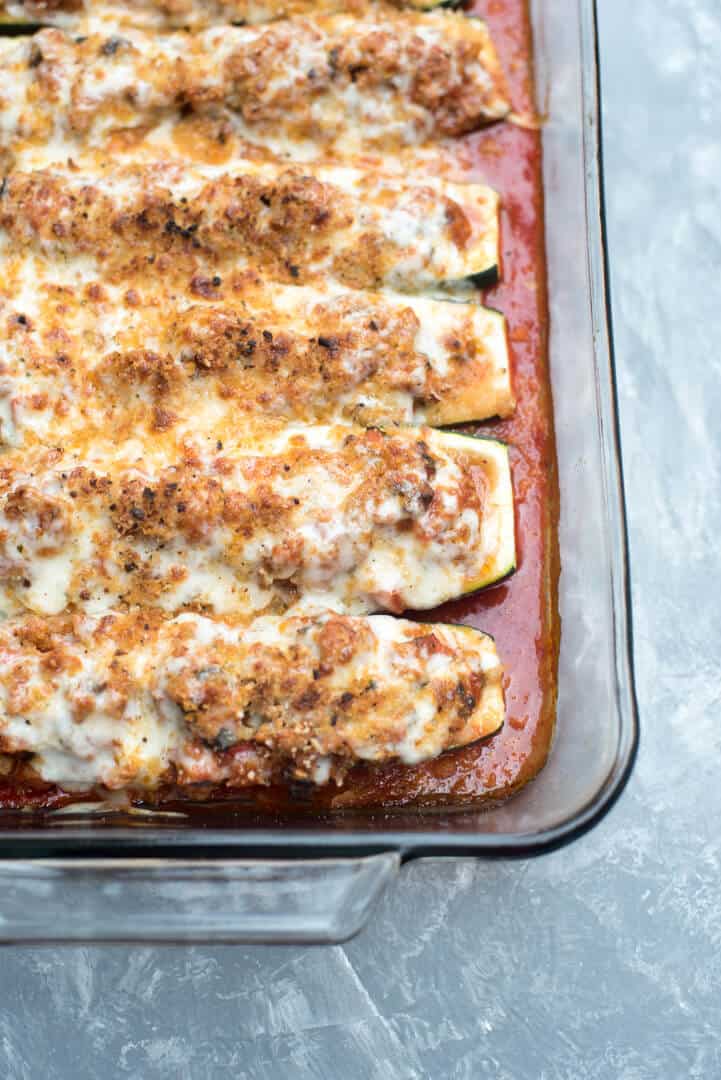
x,y
357,520
300,88
181,14
363,230
135,362
132,701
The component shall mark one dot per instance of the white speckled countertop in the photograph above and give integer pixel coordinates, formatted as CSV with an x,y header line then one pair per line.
x,y
603,960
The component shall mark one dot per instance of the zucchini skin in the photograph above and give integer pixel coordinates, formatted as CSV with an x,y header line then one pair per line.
x,y
486,279
11,29
490,584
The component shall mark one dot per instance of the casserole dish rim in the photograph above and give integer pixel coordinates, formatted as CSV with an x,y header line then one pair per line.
x,y
70,834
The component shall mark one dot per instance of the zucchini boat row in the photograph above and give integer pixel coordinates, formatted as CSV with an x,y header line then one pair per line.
x,y
133,701
181,14
83,360
299,88
213,386
357,520
363,230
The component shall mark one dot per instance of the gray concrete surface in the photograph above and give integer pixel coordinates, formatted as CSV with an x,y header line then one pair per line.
x,y
602,961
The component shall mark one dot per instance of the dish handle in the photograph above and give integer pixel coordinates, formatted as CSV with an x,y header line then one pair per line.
x,y
174,900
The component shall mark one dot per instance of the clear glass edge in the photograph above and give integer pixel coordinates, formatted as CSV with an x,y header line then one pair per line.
x,y
173,900
299,843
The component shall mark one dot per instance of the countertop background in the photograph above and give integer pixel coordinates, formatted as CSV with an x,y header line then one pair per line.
x,y
603,960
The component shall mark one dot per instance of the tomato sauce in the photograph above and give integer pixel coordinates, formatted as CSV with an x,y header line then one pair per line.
x,y
520,613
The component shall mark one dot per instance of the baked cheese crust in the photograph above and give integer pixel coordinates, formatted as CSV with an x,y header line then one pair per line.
x,y
82,359
136,700
295,225
299,87
356,520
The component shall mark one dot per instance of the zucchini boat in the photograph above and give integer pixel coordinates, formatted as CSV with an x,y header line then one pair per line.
x,y
132,701
90,361
179,14
357,520
298,87
363,230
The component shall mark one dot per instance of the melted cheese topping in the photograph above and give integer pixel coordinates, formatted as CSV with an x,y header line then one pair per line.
x,y
330,83
347,518
362,230
85,15
82,359
135,701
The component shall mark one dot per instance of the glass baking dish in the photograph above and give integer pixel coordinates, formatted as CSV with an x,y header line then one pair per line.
x,y
243,876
